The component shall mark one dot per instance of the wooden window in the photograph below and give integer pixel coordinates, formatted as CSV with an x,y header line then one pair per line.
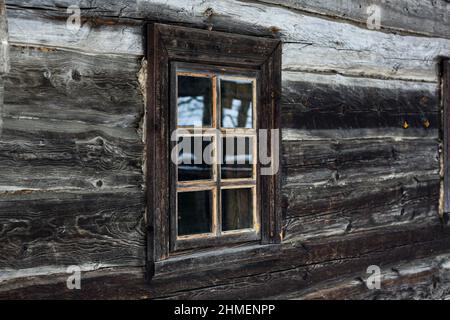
x,y
216,191
229,85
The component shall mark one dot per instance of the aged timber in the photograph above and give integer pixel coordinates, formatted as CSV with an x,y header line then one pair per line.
x,y
361,160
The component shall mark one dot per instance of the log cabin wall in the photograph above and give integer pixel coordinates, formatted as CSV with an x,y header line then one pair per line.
x,y
4,55
361,119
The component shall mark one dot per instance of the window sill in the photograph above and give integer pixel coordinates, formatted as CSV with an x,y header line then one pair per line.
x,y
210,259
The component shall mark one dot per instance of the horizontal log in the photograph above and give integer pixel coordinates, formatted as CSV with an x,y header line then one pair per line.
x,y
339,187
326,102
289,254
311,43
68,86
355,134
427,18
45,155
421,17
109,38
240,285
342,162
62,229
298,268
322,212
421,279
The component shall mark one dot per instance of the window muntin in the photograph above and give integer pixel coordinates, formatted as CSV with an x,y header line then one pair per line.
x,y
231,182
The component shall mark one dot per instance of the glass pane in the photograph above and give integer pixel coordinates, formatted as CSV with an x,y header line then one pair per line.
x,y
194,101
194,212
237,209
237,157
195,158
236,103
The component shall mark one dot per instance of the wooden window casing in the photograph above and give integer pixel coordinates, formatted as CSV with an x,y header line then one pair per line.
x,y
218,53
446,132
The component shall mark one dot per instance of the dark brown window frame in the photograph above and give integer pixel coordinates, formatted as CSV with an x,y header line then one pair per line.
x,y
446,136
174,44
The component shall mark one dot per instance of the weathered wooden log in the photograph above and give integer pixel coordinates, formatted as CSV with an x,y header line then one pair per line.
x,y
416,17
359,207
4,44
241,274
428,18
324,102
360,155
311,43
71,121
426,278
62,85
58,229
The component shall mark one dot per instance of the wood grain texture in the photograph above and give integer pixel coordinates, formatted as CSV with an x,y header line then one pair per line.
x,y
250,280
4,45
320,212
67,228
61,85
409,16
326,102
420,17
70,162
290,270
358,188
426,278
416,17
311,43
70,121
342,162
220,48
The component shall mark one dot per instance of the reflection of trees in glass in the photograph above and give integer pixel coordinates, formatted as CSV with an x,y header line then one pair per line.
x,y
194,101
238,116
237,103
190,111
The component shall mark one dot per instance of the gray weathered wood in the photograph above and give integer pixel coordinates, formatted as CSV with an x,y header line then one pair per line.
x,y
426,278
71,121
340,187
4,59
53,84
342,162
430,18
358,188
65,228
421,17
326,102
324,211
311,43
246,275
